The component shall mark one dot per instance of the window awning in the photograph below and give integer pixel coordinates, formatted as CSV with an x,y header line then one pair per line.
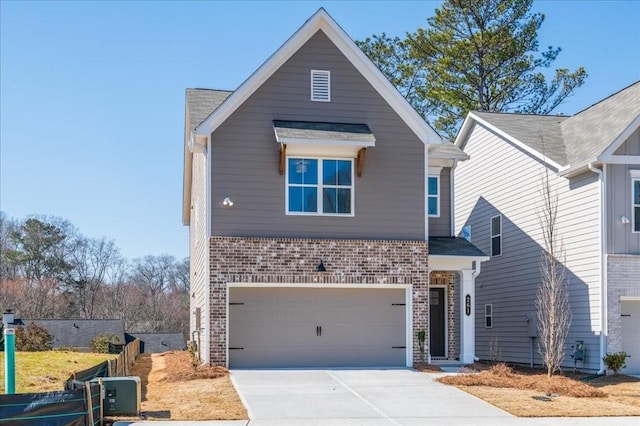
x,y
323,139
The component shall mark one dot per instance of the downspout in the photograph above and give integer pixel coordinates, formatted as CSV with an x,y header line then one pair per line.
x,y
603,278
474,274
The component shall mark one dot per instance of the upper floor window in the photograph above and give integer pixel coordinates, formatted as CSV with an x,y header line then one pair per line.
x,y
433,196
319,186
496,235
320,86
635,188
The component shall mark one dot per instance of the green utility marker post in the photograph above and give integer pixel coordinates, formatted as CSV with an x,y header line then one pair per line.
x,y
10,361
9,352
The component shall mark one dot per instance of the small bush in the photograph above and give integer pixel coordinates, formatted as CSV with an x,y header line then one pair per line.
x,y
616,361
464,370
100,343
34,338
502,370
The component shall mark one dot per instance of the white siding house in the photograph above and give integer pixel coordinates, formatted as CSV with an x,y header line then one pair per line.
x,y
590,161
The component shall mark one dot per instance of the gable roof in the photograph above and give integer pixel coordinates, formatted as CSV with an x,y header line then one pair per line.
x,y
603,125
541,133
322,21
78,333
153,343
566,143
219,112
199,104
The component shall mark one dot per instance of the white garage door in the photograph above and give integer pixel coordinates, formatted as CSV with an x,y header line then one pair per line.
x,y
316,327
631,334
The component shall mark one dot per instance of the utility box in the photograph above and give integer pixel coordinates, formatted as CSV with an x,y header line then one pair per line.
x,y
121,395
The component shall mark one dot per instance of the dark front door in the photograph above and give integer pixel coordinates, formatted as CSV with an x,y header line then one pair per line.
x,y
436,321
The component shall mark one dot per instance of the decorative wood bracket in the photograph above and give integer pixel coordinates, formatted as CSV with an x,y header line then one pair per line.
x,y
283,157
360,161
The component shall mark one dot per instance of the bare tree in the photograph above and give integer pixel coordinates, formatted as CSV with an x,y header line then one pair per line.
x,y
91,261
552,298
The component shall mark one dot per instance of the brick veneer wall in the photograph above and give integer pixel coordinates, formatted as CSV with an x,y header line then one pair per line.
x,y
293,261
623,280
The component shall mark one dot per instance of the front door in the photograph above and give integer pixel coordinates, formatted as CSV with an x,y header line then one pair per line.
x,y
437,313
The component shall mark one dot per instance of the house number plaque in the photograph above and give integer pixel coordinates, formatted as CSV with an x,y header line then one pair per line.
x,y
467,304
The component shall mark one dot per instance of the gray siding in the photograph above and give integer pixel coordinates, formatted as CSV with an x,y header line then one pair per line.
x,y
198,258
620,238
389,197
500,179
441,226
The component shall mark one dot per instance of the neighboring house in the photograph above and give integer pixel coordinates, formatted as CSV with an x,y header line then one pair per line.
x,y
319,207
157,342
78,333
592,161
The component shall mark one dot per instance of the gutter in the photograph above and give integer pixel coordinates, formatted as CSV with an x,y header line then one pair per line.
x,y
603,268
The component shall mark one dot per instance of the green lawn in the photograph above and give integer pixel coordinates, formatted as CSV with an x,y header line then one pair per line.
x,y
47,371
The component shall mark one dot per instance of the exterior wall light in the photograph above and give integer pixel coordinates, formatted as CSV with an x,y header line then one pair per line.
x,y
227,202
625,220
320,267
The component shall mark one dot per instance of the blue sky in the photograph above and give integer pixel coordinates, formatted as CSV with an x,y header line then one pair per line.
x,y
92,93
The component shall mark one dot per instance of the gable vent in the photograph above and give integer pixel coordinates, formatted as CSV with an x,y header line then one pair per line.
x,y
320,86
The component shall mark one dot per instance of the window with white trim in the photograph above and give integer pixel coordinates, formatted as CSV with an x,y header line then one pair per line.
x,y
635,203
320,86
319,186
488,315
433,196
496,235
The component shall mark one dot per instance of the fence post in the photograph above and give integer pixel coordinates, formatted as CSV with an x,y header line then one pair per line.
x,y
89,402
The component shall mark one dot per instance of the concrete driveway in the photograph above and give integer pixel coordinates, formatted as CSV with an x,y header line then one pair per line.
x,y
363,397
373,397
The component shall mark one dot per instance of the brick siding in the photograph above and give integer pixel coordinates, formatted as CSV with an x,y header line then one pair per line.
x,y
623,280
294,261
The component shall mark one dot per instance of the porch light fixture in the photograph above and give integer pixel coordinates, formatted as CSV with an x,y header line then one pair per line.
x,y
625,220
320,267
227,202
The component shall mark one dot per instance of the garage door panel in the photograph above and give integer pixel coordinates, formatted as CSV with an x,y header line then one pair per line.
x,y
271,356
383,335
630,310
277,327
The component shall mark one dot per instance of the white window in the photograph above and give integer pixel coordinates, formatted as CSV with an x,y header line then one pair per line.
x,y
433,196
635,203
488,315
320,86
319,186
496,235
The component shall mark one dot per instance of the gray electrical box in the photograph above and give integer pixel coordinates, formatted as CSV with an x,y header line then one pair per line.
x,y
121,395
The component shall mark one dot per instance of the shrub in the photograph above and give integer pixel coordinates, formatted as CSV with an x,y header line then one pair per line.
x,y
502,370
100,343
616,361
34,338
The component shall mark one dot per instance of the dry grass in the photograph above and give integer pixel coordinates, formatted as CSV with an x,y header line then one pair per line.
x,y
424,367
47,371
171,390
533,394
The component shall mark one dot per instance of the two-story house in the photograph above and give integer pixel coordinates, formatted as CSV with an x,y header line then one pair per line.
x,y
319,207
592,160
